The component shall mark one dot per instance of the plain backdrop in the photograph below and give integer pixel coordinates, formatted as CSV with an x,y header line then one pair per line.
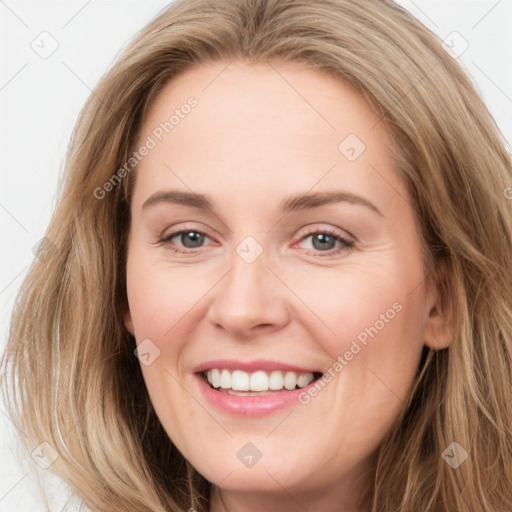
x,y
41,96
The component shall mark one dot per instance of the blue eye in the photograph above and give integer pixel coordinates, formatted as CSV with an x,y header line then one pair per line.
x,y
323,241
190,239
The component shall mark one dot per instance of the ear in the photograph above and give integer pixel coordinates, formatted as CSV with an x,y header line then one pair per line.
x,y
129,323
440,321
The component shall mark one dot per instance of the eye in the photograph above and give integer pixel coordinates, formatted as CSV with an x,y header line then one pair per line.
x,y
324,241
190,238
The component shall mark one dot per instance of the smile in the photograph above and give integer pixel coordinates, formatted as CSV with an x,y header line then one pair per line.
x,y
253,388
233,381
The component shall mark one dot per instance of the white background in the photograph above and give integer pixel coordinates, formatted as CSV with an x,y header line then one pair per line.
x,y
41,98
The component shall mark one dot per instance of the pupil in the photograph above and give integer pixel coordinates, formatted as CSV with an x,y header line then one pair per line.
x,y
322,238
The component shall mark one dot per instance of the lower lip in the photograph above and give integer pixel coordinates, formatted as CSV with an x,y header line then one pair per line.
x,y
250,405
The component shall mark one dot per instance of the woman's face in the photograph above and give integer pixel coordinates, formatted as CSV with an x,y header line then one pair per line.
x,y
299,252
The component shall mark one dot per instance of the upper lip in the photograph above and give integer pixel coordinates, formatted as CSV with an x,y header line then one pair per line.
x,y
250,366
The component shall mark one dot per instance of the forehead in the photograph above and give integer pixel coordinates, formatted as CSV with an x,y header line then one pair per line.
x,y
263,127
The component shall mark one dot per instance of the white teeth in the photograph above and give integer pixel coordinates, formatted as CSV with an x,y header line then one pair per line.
x,y
239,381
225,379
214,377
290,380
276,380
303,380
260,380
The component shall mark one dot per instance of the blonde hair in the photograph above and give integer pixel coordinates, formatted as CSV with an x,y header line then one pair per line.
x,y
69,371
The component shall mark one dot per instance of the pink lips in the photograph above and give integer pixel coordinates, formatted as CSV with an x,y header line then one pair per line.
x,y
249,405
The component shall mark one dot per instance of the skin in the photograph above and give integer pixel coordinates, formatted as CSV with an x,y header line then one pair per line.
x,y
260,133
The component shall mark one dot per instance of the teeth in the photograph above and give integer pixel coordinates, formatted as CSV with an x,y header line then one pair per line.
x,y
225,379
276,380
290,380
238,380
258,381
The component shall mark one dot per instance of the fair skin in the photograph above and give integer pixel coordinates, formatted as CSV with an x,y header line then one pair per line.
x,y
259,134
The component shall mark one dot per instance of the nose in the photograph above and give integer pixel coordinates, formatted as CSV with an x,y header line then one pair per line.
x,y
249,300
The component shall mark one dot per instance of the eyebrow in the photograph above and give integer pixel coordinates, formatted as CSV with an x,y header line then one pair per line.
x,y
292,203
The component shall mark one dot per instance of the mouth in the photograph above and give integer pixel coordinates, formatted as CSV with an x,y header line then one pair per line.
x,y
257,383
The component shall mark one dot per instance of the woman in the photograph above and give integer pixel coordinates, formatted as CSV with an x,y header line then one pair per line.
x,y
193,341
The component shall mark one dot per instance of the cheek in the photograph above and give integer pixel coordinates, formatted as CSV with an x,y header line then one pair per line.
x,y
164,304
350,302
162,299
370,322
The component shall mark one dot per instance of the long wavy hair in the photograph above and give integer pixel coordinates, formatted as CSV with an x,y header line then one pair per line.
x,y
69,373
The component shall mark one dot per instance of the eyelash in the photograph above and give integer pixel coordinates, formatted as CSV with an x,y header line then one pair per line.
x,y
346,244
